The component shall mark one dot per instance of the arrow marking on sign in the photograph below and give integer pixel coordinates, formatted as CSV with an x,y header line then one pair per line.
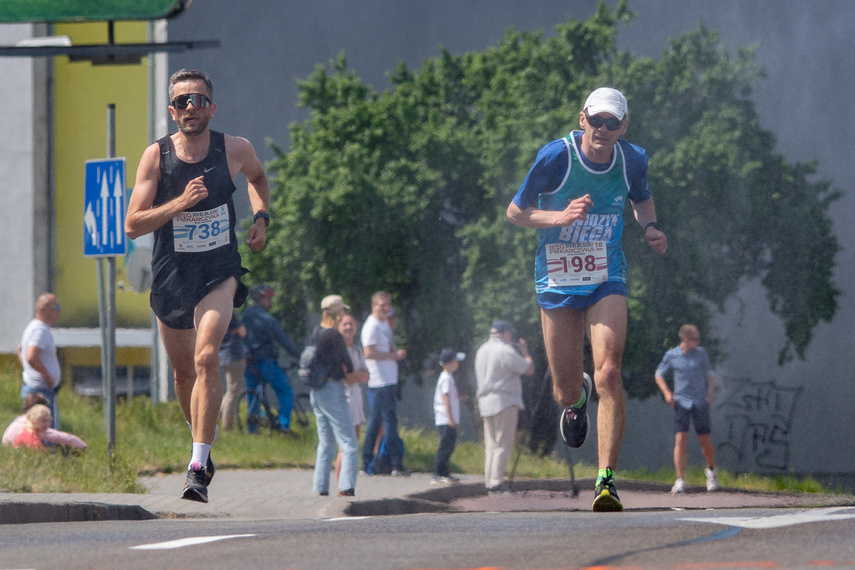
x,y
105,197
118,195
91,224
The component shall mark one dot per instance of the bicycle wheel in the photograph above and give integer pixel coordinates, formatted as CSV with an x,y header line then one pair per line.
x,y
255,413
301,407
269,419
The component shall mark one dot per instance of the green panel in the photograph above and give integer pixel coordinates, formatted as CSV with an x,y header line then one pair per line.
x,y
88,10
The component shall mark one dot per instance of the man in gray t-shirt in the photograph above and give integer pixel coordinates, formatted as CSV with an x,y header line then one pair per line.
x,y
694,383
37,353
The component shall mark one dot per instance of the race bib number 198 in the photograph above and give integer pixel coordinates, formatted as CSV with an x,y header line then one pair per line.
x,y
201,231
574,264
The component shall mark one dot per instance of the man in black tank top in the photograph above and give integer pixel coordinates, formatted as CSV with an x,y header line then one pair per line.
x,y
183,194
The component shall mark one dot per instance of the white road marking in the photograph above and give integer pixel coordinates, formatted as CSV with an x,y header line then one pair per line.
x,y
778,521
347,519
192,541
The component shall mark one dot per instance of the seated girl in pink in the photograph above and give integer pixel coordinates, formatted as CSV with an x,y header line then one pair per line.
x,y
38,420
50,436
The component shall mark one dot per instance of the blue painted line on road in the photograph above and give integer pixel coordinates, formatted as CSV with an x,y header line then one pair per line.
x,y
722,534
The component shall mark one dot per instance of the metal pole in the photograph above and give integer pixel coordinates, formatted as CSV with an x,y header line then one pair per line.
x,y
108,351
102,323
154,362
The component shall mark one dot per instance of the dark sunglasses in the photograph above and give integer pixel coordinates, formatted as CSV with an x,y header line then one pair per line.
x,y
182,101
597,121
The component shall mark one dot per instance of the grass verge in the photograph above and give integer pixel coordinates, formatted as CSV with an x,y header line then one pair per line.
x,y
155,439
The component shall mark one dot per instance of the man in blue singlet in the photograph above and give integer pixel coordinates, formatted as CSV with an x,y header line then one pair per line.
x,y
575,195
183,194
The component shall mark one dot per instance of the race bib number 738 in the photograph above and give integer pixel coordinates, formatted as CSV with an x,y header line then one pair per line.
x,y
201,231
574,264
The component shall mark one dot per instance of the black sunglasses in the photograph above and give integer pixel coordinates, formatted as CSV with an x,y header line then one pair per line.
x,y
199,100
597,121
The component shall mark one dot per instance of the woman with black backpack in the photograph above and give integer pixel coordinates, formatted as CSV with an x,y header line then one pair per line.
x,y
329,402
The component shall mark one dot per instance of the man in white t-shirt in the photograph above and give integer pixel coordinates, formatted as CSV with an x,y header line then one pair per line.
x,y
382,359
498,366
37,353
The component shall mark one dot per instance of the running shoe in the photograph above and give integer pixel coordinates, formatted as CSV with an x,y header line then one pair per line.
x,y
606,499
209,470
574,421
194,487
712,479
679,487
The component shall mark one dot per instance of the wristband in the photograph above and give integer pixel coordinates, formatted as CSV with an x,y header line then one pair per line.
x,y
654,225
264,216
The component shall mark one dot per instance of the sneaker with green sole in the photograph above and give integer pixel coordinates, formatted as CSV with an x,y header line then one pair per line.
x,y
606,499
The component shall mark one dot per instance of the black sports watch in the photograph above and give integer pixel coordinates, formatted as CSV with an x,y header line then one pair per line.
x,y
264,216
653,225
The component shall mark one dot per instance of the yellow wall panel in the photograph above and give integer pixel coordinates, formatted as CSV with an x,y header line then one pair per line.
x,y
82,92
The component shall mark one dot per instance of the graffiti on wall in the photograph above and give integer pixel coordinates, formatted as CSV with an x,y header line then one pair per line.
x,y
759,416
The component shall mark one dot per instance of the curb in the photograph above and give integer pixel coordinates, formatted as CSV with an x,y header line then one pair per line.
x,y
21,512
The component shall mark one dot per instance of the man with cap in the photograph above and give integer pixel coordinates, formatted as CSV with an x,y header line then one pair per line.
x,y
575,196
263,333
498,367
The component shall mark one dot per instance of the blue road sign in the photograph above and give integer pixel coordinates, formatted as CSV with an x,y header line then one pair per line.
x,y
104,208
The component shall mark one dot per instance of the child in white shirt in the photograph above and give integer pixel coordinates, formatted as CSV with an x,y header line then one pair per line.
x,y
446,408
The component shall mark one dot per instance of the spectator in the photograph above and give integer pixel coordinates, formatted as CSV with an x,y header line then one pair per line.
x,y
348,328
37,353
694,383
38,421
233,363
392,319
263,332
332,412
498,367
382,359
50,436
446,411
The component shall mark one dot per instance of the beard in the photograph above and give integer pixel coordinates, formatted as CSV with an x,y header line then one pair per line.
x,y
199,127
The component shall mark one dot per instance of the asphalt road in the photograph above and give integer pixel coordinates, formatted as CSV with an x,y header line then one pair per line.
x,y
745,538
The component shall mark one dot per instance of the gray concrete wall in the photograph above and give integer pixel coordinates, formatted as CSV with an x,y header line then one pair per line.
x,y
24,253
766,418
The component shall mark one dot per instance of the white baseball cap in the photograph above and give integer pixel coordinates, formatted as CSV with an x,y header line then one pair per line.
x,y
606,100
333,304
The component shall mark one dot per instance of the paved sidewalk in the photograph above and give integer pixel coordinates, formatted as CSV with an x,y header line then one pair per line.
x,y
286,494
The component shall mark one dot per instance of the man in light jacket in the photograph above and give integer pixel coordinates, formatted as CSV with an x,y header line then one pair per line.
x,y
498,367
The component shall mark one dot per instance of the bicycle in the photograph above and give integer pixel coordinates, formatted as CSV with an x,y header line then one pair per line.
x,y
261,414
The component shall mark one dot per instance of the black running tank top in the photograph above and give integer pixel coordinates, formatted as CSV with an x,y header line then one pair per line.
x,y
198,248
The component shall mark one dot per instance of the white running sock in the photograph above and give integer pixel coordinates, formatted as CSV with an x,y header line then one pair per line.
x,y
200,454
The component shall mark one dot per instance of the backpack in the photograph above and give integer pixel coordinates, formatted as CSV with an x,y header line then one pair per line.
x,y
313,370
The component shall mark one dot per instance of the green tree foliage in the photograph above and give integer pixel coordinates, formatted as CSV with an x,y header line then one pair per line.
x,y
406,190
